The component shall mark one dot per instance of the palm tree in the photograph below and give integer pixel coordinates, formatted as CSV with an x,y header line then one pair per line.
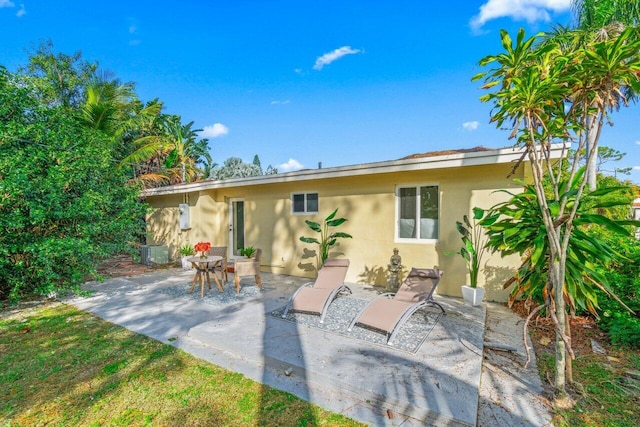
x,y
108,106
552,90
600,20
599,14
170,153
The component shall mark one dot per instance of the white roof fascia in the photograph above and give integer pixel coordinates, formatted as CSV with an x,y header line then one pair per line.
x,y
476,158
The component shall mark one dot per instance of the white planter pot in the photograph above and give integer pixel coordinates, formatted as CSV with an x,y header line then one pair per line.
x,y
186,265
472,296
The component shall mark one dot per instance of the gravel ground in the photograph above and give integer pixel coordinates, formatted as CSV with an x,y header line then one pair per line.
x,y
213,296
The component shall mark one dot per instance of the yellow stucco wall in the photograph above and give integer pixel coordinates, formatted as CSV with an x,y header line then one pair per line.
x,y
368,202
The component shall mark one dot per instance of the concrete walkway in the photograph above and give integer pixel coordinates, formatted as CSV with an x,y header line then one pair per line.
x,y
444,383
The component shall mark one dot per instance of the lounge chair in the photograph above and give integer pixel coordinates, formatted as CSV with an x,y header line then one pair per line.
x,y
315,297
389,311
247,267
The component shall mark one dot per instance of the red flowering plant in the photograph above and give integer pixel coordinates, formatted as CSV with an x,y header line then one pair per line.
x,y
203,248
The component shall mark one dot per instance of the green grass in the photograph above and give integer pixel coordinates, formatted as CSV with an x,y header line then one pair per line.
x,y
606,389
61,366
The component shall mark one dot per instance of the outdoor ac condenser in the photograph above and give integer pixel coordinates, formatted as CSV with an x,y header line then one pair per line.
x,y
154,254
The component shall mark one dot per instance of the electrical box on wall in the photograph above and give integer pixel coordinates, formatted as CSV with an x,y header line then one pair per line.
x,y
183,216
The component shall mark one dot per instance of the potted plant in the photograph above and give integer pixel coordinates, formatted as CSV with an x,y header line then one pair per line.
x,y
327,239
472,250
186,251
248,252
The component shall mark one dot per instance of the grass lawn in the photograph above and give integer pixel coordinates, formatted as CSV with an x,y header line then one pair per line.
x,y
607,386
63,366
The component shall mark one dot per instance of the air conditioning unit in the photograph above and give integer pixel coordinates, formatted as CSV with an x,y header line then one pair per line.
x,y
154,254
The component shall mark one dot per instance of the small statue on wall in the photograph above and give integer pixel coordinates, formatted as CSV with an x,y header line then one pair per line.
x,y
395,270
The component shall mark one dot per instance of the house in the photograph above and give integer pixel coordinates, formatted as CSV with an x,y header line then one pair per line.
x,y
411,204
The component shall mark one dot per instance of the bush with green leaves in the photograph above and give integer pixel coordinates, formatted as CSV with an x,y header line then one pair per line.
x,y
516,227
623,276
63,205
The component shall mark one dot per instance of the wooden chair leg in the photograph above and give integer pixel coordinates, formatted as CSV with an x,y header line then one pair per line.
x,y
193,283
259,281
209,278
237,281
201,285
215,279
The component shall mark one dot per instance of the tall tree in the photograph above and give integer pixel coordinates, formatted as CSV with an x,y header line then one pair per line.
x,y
549,91
234,167
600,20
62,207
174,148
108,106
60,78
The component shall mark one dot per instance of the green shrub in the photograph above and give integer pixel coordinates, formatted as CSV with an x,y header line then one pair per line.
x,y
63,205
624,278
622,328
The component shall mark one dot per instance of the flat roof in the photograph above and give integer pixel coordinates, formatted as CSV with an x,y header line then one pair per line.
x,y
451,159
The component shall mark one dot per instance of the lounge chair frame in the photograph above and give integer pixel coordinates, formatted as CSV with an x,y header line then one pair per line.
x,y
427,301
327,303
325,307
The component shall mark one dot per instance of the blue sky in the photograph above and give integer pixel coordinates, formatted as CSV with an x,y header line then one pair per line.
x,y
302,82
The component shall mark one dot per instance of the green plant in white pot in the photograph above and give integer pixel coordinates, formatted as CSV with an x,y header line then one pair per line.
x,y
248,252
472,250
186,251
328,239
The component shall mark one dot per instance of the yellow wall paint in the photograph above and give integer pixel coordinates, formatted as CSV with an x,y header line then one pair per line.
x,y
368,202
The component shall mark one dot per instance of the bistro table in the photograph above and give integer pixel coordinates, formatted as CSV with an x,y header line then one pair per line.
x,y
202,266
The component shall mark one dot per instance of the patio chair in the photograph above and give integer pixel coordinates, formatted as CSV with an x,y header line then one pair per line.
x,y
388,312
220,266
247,267
315,297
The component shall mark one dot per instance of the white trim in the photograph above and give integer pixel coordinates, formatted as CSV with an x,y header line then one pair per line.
x,y
306,212
415,240
231,226
498,156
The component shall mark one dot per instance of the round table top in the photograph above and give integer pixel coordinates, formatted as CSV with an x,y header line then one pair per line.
x,y
210,258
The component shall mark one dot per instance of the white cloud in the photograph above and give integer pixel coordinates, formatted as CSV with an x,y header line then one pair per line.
x,y
276,102
8,3
291,165
638,142
470,126
329,57
636,168
214,131
529,10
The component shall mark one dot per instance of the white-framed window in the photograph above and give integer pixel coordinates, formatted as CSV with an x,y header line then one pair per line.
x,y
417,212
304,203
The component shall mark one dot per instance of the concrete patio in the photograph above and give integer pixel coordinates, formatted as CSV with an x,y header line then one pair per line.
x,y
444,383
